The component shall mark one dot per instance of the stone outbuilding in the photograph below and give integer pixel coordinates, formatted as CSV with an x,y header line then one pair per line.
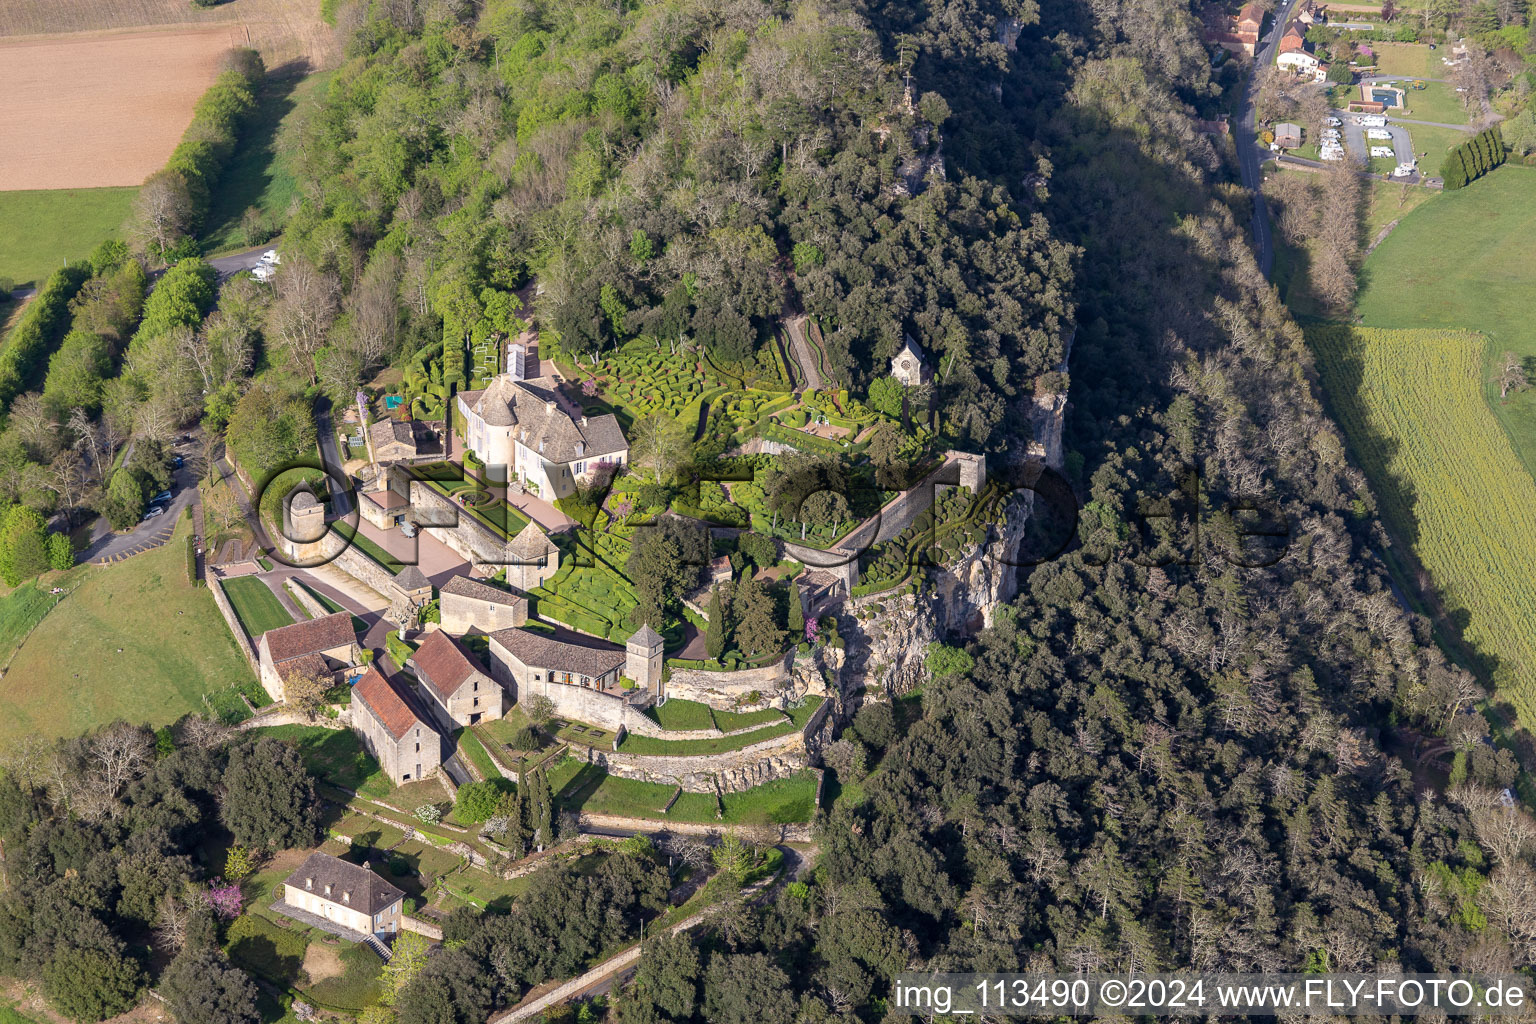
x,y
908,365
461,692
642,659
410,591
342,894
327,645
406,745
525,661
532,558
465,604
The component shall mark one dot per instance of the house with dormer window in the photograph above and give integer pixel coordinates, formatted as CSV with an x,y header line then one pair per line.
x,y
348,897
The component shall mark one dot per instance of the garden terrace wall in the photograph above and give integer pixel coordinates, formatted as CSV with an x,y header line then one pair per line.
x,y
731,772
723,690
791,833
244,640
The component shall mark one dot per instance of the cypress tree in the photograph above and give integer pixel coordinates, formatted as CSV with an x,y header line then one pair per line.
x,y
1451,171
796,612
546,808
714,631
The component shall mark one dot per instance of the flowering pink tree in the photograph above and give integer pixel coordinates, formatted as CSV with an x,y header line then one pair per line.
x,y
589,387
225,899
621,508
812,630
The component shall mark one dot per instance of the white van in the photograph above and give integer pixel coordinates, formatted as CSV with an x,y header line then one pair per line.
x,y
1378,133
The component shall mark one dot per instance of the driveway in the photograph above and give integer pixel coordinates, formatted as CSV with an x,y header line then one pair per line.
x,y
107,547
229,266
1250,157
341,501
1356,142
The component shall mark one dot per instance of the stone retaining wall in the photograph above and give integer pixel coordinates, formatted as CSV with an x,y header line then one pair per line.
x,y
794,833
723,690
420,927
730,772
305,600
242,639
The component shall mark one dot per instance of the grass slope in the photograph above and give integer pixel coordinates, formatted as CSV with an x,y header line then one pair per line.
x,y
1450,486
42,230
1464,262
134,641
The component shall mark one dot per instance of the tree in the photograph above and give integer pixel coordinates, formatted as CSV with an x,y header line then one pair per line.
x,y
91,984
1512,375
886,395
666,559
61,553
796,611
301,317
943,661
477,801
269,797
408,957
126,500
758,633
744,988
201,987
1388,11
539,709
660,443
163,211
1340,73
306,692
715,628
23,544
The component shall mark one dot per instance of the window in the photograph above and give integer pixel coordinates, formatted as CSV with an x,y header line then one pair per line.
x,y
475,686
418,748
477,702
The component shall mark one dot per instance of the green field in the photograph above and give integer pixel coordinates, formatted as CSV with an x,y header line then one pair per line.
x,y
1437,101
1411,403
256,606
27,605
1431,144
1411,60
1463,262
40,231
135,640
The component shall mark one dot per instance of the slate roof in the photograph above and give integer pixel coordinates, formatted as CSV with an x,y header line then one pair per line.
x,y
533,408
442,664
392,431
310,637
379,696
463,586
531,543
411,578
364,891
645,636
538,650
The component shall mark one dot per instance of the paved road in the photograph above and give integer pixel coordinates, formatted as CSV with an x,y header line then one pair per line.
x,y
227,266
341,502
107,547
1250,157
1356,142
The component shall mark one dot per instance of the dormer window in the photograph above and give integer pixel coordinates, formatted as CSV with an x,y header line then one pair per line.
x,y
346,896
581,449
327,888
309,883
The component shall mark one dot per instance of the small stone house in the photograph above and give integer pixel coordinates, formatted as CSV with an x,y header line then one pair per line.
x,y
405,744
313,647
460,690
382,506
465,604
391,440
345,894
411,592
642,658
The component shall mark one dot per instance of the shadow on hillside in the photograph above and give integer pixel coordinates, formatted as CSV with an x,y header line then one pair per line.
x,y
252,171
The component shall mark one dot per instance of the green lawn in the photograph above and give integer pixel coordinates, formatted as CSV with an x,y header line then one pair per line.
x,y
255,605
681,715
1437,101
42,230
265,948
1411,60
368,547
260,174
1431,144
28,604
633,744
334,755
781,801
473,750
10,1015
729,721
134,640
1464,261
357,986
597,792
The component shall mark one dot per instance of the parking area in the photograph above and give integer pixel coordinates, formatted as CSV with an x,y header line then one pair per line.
x,y
107,547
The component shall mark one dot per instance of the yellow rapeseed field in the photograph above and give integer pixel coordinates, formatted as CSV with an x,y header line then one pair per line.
x,y
1411,403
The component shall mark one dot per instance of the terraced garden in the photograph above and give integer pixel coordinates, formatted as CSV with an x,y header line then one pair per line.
x,y
791,722
257,608
589,591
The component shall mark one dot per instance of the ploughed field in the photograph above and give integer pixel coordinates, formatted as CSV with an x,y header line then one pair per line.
x,y
86,111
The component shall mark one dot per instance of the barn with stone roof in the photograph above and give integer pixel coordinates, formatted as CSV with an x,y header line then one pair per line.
x,y
459,689
313,647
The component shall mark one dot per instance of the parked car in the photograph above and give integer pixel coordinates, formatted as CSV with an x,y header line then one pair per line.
x,y
271,257
178,462
262,272
163,496
156,511
1332,122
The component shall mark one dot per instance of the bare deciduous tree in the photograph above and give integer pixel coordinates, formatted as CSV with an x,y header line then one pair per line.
x,y
303,313
162,210
1511,375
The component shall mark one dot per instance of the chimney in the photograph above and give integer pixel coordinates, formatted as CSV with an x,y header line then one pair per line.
x,y
309,883
583,419
541,446
581,449
549,405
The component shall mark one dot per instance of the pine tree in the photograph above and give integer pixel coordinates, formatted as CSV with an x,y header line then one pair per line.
x,y
714,631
